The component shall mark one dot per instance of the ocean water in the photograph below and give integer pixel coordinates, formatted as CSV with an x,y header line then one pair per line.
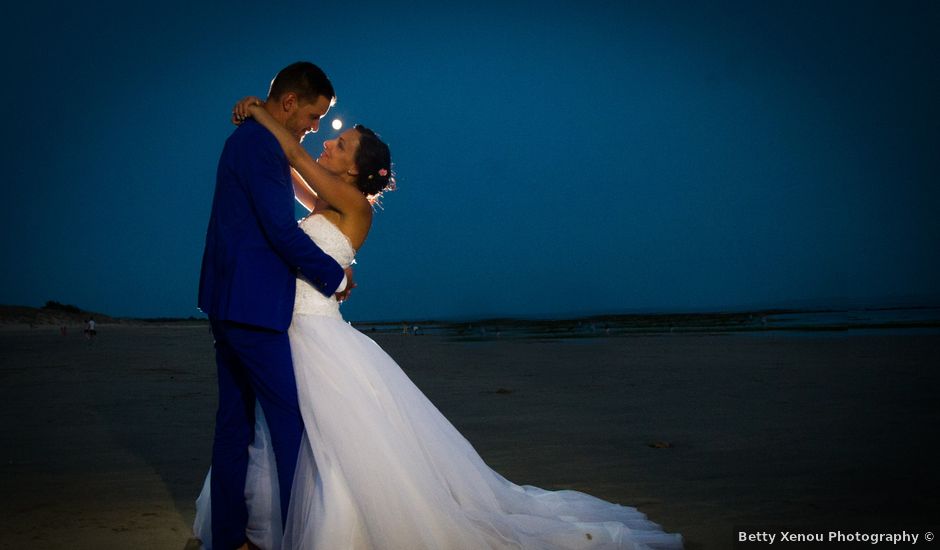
x,y
813,321
855,319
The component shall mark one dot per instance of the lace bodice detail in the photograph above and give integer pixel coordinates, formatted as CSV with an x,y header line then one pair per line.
x,y
308,300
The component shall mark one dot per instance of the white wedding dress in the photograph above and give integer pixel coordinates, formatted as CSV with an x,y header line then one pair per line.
x,y
380,467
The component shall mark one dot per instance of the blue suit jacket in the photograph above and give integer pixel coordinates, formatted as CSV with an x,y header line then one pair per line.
x,y
254,247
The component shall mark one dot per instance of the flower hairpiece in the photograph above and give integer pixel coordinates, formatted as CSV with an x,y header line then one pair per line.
x,y
383,172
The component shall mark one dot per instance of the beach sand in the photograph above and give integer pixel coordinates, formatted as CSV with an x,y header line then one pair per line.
x,y
107,442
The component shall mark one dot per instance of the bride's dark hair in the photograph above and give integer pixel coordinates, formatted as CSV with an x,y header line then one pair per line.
x,y
374,161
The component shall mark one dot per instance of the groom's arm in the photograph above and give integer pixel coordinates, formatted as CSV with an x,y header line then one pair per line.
x,y
272,195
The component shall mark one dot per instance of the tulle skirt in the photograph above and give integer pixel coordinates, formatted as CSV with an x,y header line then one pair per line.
x,y
381,468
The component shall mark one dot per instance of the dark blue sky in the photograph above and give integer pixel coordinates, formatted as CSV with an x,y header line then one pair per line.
x,y
554,158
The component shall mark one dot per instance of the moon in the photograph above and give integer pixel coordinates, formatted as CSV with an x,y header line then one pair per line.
x,y
337,124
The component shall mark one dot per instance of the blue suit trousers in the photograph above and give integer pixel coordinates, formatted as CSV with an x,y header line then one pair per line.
x,y
253,363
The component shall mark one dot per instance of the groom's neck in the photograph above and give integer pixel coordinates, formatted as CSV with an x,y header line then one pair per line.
x,y
274,109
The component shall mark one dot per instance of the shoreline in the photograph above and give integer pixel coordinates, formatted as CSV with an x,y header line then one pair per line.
x,y
778,320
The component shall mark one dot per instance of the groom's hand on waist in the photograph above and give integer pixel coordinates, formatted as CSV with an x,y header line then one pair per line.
x,y
343,294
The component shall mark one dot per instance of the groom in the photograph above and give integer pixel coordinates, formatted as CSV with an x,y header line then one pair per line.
x,y
254,250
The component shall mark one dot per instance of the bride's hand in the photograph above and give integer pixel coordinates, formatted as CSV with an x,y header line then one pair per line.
x,y
240,112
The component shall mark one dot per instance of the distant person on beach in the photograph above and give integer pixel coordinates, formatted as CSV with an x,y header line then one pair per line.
x,y
379,467
90,330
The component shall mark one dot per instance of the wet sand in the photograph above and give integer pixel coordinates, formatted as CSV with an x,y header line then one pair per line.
x,y
108,441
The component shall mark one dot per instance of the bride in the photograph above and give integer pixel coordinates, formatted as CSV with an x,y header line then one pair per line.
x,y
380,466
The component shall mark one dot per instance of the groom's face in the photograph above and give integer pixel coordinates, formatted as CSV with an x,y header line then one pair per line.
x,y
305,117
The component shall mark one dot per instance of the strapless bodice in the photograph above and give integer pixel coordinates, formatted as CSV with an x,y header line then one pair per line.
x,y
308,300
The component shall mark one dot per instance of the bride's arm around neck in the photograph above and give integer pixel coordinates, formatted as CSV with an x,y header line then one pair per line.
x,y
302,191
340,194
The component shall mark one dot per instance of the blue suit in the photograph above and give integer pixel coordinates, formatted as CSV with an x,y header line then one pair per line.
x,y
254,250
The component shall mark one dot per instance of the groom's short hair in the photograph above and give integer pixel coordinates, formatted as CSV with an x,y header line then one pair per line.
x,y
304,79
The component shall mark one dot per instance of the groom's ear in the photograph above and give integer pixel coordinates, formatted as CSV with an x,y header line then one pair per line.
x,y
288,101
